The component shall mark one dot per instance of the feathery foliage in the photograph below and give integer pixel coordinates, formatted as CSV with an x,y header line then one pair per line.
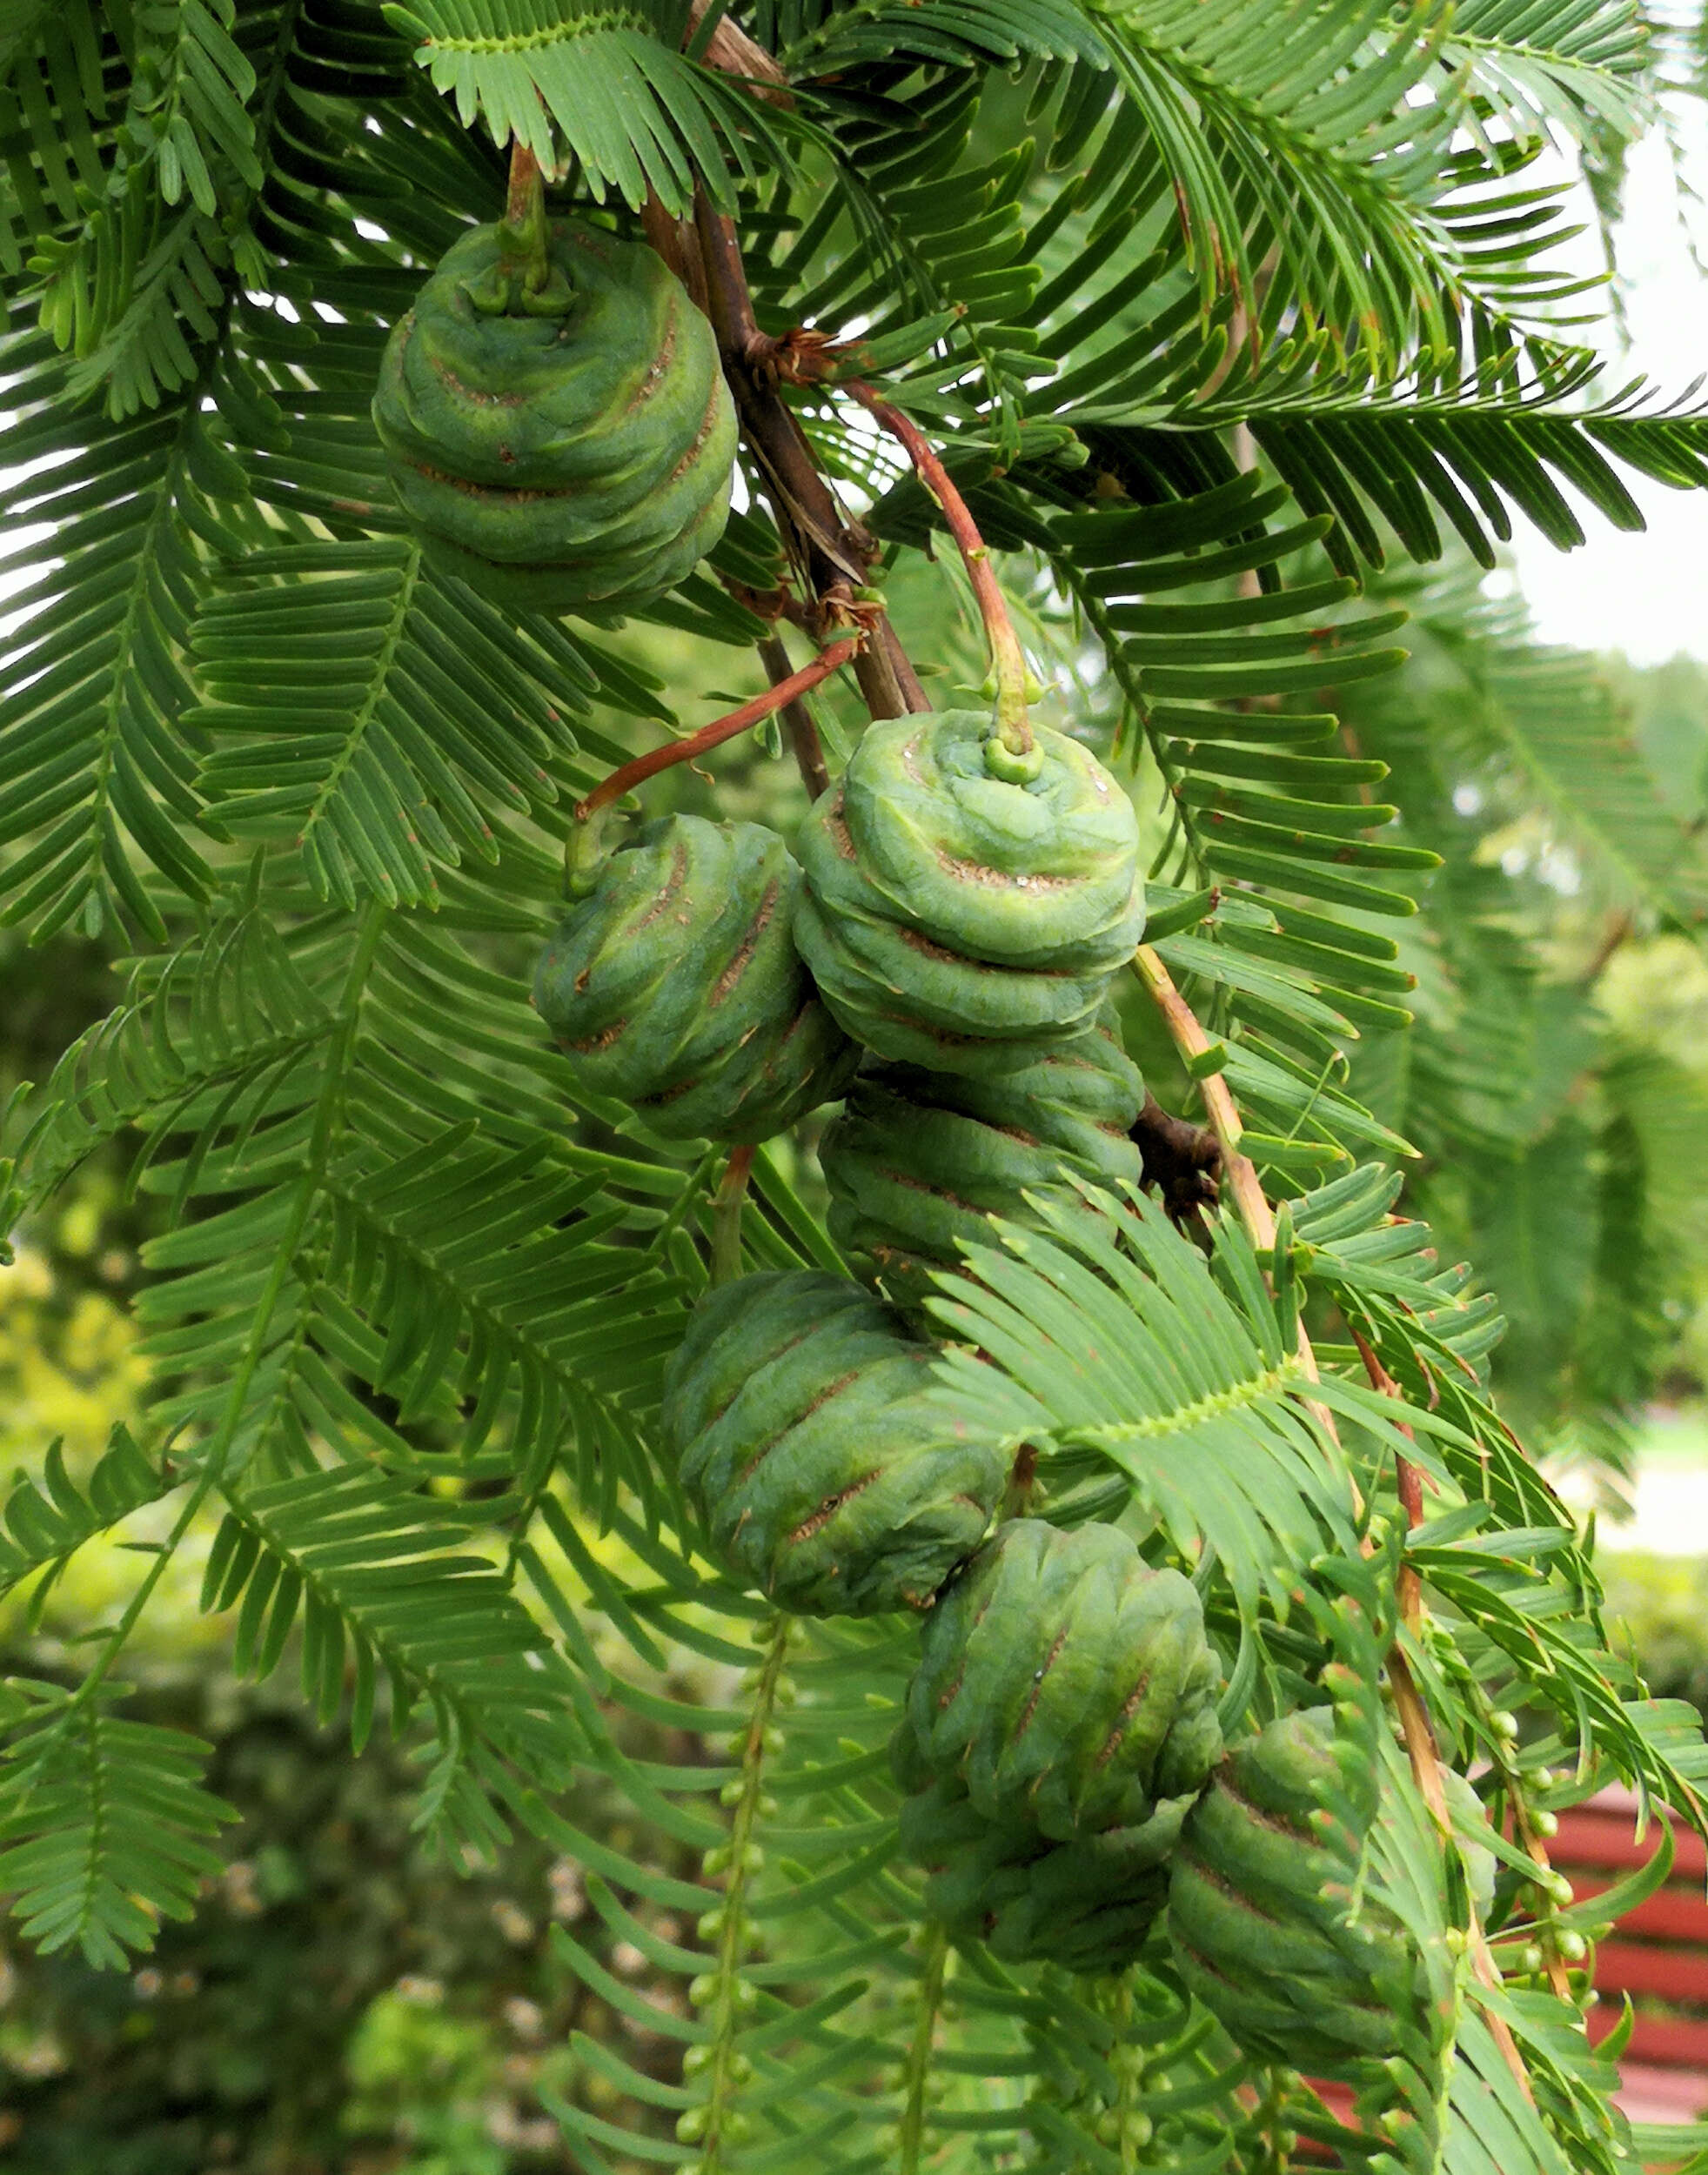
x,y
1228,321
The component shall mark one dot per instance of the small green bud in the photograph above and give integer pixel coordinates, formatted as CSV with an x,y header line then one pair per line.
x,y
710,1924
1546,1824
740,2068
744,1993
753,1859
716,1860
1504,1724
698,2059
733,1791
1531,1958
692,2126
1573,1945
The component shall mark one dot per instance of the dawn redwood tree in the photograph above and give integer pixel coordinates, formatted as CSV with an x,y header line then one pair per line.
x,y
1152,1666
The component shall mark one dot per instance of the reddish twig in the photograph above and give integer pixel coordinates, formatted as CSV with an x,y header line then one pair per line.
x,y
629,775
1419,1732
1187,1035
526,184
1006,653
803,734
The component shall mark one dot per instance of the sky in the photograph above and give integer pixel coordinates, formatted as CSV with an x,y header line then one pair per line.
x,y
1647,594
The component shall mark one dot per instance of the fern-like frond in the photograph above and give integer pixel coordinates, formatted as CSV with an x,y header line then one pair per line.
x,y
1560,76
374,1568
220,1017
636,113
376,714
46,1522
1549,716
1114,1338
105,1827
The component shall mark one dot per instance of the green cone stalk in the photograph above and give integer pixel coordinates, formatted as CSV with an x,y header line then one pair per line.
x,y
952,913
919,1161
675,985
796,1414
562,448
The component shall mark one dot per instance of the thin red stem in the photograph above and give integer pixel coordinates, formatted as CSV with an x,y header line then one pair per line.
x,y
1005,650
630,775
1420,1742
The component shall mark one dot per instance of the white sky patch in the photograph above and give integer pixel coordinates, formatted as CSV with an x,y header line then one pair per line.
x,y
1646,594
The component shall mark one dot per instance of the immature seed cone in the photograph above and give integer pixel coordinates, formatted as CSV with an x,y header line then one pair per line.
x,y
562,450
918,1161
1066,1685
675,985
952,914
1260,1912
794,1411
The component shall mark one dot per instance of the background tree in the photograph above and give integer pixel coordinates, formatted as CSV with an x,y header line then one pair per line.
x,y
1215,320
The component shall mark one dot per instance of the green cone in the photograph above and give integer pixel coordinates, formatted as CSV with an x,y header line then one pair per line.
x,y
951,914
675,986
1087,1905
1260,1913
1064,1684
796,1411
575,453
918,1161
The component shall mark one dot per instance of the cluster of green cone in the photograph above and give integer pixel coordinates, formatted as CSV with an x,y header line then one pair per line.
x,y
956,917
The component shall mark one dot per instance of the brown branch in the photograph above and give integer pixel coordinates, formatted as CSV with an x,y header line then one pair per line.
x,y
1005,650
1189,1039
1619,925
1238,1172
630,774
1419,1732
803,734
832,551
732,52
523,194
